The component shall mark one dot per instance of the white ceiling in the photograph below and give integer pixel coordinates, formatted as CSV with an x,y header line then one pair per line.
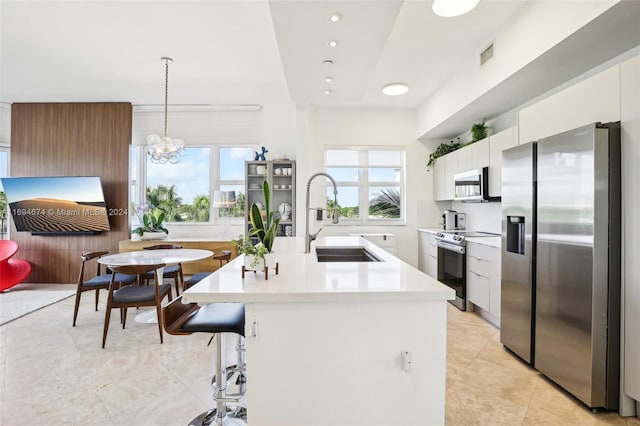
x,y
238,51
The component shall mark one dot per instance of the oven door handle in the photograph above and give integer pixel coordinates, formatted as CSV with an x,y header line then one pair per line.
x,y
451,247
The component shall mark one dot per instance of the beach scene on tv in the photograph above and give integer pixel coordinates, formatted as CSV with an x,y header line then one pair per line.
x,y
57,204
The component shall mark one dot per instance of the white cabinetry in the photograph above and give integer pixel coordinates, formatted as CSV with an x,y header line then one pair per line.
x,y
428,254
450,169
498,143
473,156
483,279
465,158
438,180
485,152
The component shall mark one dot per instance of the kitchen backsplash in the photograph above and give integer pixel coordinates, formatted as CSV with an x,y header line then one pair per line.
x,y
483,217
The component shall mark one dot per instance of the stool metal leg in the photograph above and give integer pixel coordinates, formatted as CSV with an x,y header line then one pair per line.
x,y
220,416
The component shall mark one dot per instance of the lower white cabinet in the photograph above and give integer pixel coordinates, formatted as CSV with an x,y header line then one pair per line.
x,y
428,254
483,279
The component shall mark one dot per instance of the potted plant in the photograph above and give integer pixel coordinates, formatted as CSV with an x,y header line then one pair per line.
x,y
152,220
442,149
479,131
259,256
253,253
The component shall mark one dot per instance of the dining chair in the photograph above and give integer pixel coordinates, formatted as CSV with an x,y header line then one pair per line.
x,y
173,271
134,296
97,283
223,257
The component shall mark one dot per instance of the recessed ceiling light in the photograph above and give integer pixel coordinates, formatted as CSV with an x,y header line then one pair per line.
x,y
335,17
327,62
333,43
450,8
328,79
395,89
327,92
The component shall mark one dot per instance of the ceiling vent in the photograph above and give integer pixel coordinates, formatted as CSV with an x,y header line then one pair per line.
x,y
486,54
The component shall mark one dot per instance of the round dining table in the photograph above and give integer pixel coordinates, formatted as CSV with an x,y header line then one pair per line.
x,y
154,257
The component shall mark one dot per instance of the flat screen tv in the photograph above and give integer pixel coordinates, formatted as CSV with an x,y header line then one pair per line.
x,y
57,205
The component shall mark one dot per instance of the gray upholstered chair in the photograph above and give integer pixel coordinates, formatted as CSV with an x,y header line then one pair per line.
x,y
131,296
97,283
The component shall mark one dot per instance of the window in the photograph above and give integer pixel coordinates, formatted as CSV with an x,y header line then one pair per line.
x,y
185,191
4,172
231,176
181,190
370,184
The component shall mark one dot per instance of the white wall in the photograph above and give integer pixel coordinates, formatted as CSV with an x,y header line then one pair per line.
x,y
514,48
630,117
483,217
371,127
5,124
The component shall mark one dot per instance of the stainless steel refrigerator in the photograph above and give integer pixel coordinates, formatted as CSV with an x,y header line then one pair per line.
x,y
561,259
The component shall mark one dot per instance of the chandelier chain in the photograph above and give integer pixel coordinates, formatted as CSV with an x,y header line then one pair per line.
x,y
166,95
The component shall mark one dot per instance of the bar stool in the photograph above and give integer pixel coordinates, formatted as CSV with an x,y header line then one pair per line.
x,y
223,257
217,318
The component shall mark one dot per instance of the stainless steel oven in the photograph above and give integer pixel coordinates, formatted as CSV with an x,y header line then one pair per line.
x,y
452,262
452,271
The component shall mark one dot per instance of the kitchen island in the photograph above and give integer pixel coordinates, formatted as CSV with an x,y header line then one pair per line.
x,y
338,343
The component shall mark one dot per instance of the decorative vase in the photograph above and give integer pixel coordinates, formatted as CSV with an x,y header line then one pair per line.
x,y
153,236
261,265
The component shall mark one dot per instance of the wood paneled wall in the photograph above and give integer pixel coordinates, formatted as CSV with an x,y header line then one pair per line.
x,y
72,139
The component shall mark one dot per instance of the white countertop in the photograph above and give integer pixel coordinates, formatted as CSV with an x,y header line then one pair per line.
x,y
488,241
302,278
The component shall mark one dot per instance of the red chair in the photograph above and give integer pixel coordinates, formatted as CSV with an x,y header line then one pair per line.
x,y
12,271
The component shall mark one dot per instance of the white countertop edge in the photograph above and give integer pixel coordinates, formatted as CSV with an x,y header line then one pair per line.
x,y
487,241
334,297
303,279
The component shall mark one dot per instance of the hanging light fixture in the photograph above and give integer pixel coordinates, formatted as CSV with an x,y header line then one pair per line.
x,y
451,8
165,149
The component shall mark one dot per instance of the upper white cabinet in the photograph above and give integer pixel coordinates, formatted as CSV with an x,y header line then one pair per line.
x,y
465,158
473,156
450,169
498,143
484,153
438,180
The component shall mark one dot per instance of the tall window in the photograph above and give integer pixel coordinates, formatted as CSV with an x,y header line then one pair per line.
x,y
231,176
182,190
371,184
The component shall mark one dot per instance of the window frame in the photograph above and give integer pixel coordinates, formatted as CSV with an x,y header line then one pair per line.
x,y
4,233
363,184
138,181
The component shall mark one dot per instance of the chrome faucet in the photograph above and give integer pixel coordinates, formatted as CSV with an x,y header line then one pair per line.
x,y
334,216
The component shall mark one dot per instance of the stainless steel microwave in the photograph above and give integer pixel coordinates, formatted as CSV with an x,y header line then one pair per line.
x,y
472,185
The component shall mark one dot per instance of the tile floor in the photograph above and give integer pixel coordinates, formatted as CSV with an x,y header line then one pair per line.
x,y
56,374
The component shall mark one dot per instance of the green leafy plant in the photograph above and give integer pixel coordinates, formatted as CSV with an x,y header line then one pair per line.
x,y
479,131
442,149
264,227
244,245
152,219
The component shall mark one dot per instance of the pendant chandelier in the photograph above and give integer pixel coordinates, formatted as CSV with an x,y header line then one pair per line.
x,y
165,149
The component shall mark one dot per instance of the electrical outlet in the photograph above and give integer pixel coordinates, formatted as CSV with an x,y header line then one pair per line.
x,y
319,214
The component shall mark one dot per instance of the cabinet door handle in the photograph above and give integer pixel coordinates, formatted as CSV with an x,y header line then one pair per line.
x,y
432,256
479,275
253,329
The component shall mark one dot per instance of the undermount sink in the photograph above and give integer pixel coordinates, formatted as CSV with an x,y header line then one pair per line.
x,y
345,254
